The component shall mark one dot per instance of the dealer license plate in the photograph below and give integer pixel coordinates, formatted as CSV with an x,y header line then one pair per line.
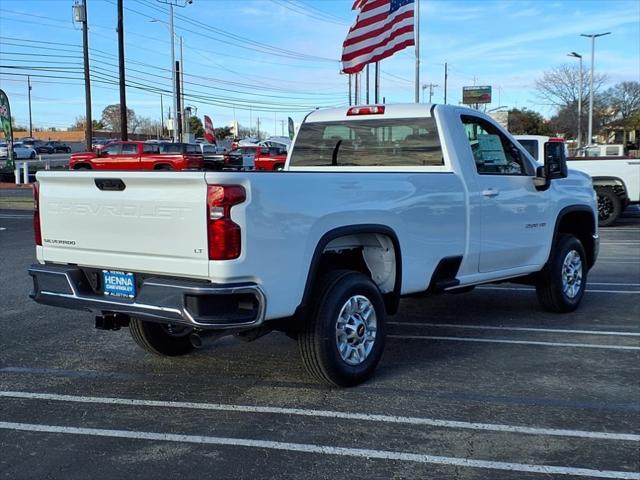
x,y
121,284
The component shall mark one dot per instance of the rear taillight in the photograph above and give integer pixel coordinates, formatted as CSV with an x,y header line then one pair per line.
x,y
224,234
37,232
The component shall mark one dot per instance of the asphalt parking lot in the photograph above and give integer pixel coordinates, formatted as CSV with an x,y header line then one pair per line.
x,y
483,385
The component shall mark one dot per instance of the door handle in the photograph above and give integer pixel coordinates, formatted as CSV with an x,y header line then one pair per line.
x,y
490,192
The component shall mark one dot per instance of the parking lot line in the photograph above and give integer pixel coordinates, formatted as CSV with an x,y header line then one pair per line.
x,y
515,329
516,342
588,290
390,419
615,284
324,450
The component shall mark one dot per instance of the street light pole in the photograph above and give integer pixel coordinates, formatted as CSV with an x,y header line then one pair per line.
x,y
579,57
593,37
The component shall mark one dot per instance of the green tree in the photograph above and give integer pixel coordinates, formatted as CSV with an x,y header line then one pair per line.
x,y
223,132
527,122
195,126
80,122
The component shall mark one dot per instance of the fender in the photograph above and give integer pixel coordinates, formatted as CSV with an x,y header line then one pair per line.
x,y
591,249
392,299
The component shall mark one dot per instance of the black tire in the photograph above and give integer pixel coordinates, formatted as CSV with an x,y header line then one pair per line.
x,y
157,339
278,168
164,168
318,338
33,155
556,292
82,167
609,206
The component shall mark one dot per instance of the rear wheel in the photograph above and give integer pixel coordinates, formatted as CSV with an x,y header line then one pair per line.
x,y
609,206
561,283
164,168
33,155
279,167
161,339
342,341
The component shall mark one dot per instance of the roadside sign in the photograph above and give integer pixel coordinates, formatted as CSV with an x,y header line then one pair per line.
x,y
7,128
291,128
473,95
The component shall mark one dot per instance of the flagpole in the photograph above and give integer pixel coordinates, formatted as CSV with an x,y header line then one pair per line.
x,y
377,84
417,90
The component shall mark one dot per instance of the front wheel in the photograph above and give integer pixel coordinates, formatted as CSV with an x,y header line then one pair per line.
x,y
561,284
161,339
342,341
609,206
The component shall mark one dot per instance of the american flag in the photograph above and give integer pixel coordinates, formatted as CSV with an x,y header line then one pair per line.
x,y
382,28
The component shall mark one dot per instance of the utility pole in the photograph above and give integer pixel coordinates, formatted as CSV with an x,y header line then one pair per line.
x,y
258,135
350,88
184,124
123,94
446,75
282,127
29,93
431,86
80,15
593,37
178,113
161,115
275,124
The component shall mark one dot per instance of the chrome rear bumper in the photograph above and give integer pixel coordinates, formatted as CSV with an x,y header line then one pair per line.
x,y
197,304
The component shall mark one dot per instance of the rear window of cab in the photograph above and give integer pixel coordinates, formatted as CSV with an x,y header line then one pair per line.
x,y
411,142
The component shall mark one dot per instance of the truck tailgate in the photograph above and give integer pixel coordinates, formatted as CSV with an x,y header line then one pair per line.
x,y
151,222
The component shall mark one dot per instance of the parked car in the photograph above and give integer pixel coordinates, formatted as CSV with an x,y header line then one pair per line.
x,y
263,158
99,144
38,145
139,156
386,201
58,147
213,154
20,151
615,178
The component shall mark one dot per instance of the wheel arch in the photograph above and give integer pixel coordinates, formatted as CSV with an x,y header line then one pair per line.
x,y
610,181
580,221
315,269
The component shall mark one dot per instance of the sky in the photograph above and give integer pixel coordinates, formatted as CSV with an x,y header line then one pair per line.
x,y
271,59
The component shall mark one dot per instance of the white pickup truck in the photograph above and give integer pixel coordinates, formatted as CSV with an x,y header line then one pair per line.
x,y
616,177
376,203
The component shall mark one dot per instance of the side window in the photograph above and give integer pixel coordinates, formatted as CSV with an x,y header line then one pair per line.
x,y
112,150
493,153
129,148
148,148
611,151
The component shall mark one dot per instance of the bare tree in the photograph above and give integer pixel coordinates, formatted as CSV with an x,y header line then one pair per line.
x,y
111,118
624,98
148,126
624,101
561,85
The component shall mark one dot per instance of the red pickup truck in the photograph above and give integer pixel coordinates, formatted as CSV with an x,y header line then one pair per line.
x,y
140,156
265,158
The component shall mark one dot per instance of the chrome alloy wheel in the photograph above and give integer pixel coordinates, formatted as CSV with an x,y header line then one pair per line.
x,y
356,330
572,274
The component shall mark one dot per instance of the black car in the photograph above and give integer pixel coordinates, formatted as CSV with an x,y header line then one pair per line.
x,y
38,145
58,147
